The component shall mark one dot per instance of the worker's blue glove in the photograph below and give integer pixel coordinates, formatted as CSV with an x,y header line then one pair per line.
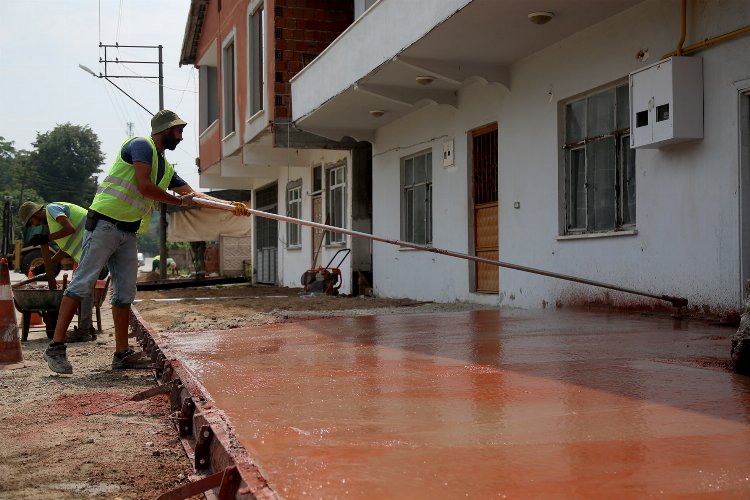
x,y
39,239
37,270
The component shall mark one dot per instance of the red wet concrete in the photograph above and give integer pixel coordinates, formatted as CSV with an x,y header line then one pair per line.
x,y
482,404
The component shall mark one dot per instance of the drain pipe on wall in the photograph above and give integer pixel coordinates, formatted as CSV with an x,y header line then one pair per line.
x,y
677,302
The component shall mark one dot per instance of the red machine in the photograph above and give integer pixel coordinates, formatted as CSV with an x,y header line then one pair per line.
x,y
325,279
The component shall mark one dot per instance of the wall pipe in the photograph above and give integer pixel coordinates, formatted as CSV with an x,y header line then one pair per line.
x,y
680,51
675,301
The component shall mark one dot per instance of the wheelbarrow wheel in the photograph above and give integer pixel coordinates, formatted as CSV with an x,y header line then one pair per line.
x,y
50,322
34,258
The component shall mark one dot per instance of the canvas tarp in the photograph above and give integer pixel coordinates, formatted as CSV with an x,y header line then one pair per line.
x,y
204,224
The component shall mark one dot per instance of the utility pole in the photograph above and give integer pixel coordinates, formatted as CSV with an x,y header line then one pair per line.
x,y
163,206
107,75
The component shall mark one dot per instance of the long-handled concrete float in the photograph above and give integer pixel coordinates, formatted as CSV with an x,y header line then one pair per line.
x,y
677,302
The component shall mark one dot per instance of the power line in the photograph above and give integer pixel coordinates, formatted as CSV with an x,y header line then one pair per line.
x,y
121,114
183,90
119,23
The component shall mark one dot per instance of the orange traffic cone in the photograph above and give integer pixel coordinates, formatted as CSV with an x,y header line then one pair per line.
x,y
10,344
34,319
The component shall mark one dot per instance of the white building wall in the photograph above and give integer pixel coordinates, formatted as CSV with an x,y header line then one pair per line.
x,y
293,262
414,273
687,242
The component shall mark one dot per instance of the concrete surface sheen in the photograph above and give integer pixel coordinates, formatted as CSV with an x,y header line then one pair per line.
x,y
482,404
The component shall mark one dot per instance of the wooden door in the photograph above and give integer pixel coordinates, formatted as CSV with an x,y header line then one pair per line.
x,y
484,192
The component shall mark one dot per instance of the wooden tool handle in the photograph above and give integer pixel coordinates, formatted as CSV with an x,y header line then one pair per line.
x,y
48,267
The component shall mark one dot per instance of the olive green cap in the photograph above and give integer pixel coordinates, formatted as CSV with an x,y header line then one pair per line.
x,y
165,119
28,208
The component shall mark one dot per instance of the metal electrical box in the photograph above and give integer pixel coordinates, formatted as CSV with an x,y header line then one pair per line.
x,y
666,103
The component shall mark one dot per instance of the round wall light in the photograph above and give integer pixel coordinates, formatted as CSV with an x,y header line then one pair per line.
x,y
540,17
377,113
424,79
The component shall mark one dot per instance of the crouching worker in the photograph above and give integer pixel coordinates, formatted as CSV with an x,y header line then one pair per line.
x,y
139,178
64,225
171,265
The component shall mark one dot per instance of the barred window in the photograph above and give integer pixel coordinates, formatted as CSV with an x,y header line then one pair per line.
x,y
599,164
294,210
336,202
416,198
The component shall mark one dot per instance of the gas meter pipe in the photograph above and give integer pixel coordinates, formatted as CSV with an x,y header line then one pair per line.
x,y
675,301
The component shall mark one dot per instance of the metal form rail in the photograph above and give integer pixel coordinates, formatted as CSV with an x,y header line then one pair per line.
x,y
677,302
223,468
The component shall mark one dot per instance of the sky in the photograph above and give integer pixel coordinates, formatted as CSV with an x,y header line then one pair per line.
x,y
42,42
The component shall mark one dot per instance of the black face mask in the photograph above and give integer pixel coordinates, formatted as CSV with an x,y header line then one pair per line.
x,y
170,142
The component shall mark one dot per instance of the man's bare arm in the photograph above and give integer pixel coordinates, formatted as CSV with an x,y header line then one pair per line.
x,y
149,189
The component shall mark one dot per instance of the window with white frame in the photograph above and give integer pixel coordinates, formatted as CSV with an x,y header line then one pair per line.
x,y
255,63
416,198
294,210
336,202
228,98
209,96
599,175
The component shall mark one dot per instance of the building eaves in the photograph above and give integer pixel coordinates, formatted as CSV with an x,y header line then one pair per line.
x,y
193,29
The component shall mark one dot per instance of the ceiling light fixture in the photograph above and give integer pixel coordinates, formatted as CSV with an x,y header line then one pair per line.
x,y
377,113
540,17
424,79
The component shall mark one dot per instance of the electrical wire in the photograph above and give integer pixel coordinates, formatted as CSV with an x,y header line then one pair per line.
x,y
144,124
115,106
119,23
191,77
150,79
397,148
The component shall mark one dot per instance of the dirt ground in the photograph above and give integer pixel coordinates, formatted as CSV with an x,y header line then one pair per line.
x,y
78,436
230,306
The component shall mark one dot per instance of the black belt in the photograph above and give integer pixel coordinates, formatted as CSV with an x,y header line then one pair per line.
x,y
130,227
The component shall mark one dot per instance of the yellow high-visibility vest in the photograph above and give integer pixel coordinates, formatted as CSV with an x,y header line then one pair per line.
x,y
118,195
70,244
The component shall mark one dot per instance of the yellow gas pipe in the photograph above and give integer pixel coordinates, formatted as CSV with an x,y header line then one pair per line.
x,y
680,51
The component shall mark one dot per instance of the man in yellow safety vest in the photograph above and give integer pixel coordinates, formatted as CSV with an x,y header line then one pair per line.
x,y
138,179
64,225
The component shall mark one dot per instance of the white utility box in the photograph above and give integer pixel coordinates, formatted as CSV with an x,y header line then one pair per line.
x,y
448,153
666,102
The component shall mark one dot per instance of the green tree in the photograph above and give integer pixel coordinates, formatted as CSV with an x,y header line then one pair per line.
x,y
7,163
147,243
17,180
67,161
